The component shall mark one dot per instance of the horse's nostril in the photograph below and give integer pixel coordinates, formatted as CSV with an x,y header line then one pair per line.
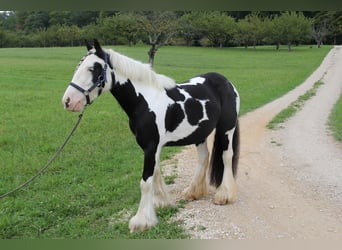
x,y
67,101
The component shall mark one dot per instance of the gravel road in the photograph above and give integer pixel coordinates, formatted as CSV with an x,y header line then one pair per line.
x,y
289,180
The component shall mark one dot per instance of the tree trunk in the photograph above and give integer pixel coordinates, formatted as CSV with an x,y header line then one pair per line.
x,y
151,53
319,43
289,46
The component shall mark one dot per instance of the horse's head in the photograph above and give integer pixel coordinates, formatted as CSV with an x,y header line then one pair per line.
x,y
89,80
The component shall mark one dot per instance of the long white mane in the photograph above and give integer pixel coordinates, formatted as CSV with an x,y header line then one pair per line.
x,y
138,72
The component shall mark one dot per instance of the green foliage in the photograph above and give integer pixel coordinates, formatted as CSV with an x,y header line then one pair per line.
x,y
191,27
293,26
119,29
92,189
208,28
326,23
219,28
335,120
159,26
251,30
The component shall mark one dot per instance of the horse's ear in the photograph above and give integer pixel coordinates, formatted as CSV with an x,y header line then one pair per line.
x,y
89,47
99,52
97,45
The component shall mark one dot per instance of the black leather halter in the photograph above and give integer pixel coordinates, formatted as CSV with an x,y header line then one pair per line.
x,y
100,83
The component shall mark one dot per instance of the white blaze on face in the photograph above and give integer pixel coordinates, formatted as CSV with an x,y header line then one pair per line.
x,y
73,99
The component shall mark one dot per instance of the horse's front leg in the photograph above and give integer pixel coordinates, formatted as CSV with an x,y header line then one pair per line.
x,y
146,217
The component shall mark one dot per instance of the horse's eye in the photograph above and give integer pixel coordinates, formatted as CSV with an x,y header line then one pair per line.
x,y
91,69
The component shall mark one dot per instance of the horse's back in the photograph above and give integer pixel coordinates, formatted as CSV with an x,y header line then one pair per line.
x,y
215,87
204,102
228,97
221,85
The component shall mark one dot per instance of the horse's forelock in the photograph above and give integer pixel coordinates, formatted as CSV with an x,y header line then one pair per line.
x,y
90,52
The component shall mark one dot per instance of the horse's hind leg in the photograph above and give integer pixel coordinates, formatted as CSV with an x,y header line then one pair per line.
x,y
198,185
161,198
226,192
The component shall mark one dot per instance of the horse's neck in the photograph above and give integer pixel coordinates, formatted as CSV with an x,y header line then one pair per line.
x,y
132,97
139,72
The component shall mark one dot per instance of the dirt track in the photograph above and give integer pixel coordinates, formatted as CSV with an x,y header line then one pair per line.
x,y
289,181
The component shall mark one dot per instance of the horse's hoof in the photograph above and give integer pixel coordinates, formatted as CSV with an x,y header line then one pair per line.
x,y
224,196
141,223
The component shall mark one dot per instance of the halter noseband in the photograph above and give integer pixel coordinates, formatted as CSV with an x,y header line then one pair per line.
x,y
100,83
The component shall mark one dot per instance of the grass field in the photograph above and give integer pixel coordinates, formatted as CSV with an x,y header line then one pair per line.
x,y
92,189
335,120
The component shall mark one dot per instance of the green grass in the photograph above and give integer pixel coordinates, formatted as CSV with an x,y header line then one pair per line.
x,y
335,120
297,105
92,189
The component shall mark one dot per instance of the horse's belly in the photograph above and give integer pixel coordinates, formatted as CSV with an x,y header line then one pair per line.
x,y
186,134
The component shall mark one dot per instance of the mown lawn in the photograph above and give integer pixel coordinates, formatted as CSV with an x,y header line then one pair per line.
x,y
92,189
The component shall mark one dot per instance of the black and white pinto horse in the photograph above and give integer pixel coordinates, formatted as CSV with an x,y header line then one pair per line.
x,y
162,113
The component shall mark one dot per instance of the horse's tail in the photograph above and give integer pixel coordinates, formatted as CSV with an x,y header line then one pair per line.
x,y
216,161
236,148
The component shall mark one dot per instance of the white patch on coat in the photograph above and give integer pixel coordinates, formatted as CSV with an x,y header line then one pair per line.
x,y
198,186
227,191
145,217
237,100
196,80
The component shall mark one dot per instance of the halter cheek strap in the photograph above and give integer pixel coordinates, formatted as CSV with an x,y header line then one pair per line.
x,y
100,83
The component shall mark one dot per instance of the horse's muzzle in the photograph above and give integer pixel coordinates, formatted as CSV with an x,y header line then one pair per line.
x,y
67,103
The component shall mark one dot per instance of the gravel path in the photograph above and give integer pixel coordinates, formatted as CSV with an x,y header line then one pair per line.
x,y
289,180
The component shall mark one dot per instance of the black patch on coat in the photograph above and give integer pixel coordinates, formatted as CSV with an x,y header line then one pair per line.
x,y
194,111
142,122
97,71
175,94
173,117
197,137
220,108
198,91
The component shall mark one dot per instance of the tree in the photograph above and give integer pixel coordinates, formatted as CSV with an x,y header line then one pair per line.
x,y
289,27
326,23
90,32
191,27
256,28
7,20
128,27
320,31
294,26
242,36
60,18
160,27
219,28
36,20
83,18
336,25
121,28
250,30
273,31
